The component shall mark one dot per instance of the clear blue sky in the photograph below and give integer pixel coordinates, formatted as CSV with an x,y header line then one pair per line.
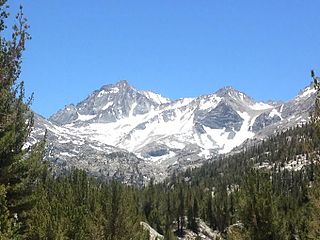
x,y
178,48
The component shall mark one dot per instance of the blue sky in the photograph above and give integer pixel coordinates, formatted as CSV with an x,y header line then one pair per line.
x,y
177,48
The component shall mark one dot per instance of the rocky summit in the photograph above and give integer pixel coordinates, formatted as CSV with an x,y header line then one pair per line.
x,y
119,132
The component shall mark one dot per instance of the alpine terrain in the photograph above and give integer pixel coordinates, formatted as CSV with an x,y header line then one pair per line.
x,y
126,163
123,133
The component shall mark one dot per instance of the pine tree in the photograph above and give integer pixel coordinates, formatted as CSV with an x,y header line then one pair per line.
x,y
17,173
316,113
180,216
169,235
5,221
257,206
314,224
192,216
209,212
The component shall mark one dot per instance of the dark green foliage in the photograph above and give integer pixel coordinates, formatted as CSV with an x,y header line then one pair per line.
x,y
314,194
271,203
193,214
233,194
20,168
79,207
256,204
5,221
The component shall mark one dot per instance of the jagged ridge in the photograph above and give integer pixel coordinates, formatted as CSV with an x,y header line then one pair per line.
x,y
150,135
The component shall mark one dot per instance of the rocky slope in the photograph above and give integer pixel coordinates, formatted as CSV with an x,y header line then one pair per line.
x,y
131,135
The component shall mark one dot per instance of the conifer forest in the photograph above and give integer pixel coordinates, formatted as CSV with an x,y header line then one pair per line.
x,y
252,193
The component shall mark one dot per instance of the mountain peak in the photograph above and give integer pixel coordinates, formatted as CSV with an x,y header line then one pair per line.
x,y
226,89
230,88
231,92
122,83
172,134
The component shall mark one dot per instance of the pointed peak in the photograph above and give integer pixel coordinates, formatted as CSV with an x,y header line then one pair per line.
x,y
228,90
232,93
122,83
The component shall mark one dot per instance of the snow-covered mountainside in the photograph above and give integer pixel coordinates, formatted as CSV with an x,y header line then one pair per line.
x,y
121,132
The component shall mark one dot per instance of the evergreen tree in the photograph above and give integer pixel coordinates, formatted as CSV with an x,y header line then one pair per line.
x,y
18,175
192,216
209,212
257,206
314,224
180,216
5,221
169,235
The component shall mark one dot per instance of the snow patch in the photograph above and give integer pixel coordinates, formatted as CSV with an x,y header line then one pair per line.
x,y
157,98
67,154
159,159
132,109
107,105
281,109
241,96
106,91
85,117
205,153
182,102
260,106
307,92
113,90
220,136
275,112
101,93
209,103
176,144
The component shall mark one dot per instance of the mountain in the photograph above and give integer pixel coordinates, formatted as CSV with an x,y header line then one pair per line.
x,y
131,135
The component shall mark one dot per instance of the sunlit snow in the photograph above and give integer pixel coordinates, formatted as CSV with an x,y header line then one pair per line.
x,y
109,104
260,106
157,98
306,93
212,102
275,112
85,117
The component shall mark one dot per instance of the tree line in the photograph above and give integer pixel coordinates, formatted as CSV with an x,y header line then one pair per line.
x,y
248,195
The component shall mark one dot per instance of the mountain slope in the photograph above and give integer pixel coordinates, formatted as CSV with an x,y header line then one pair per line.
x,y
119,131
